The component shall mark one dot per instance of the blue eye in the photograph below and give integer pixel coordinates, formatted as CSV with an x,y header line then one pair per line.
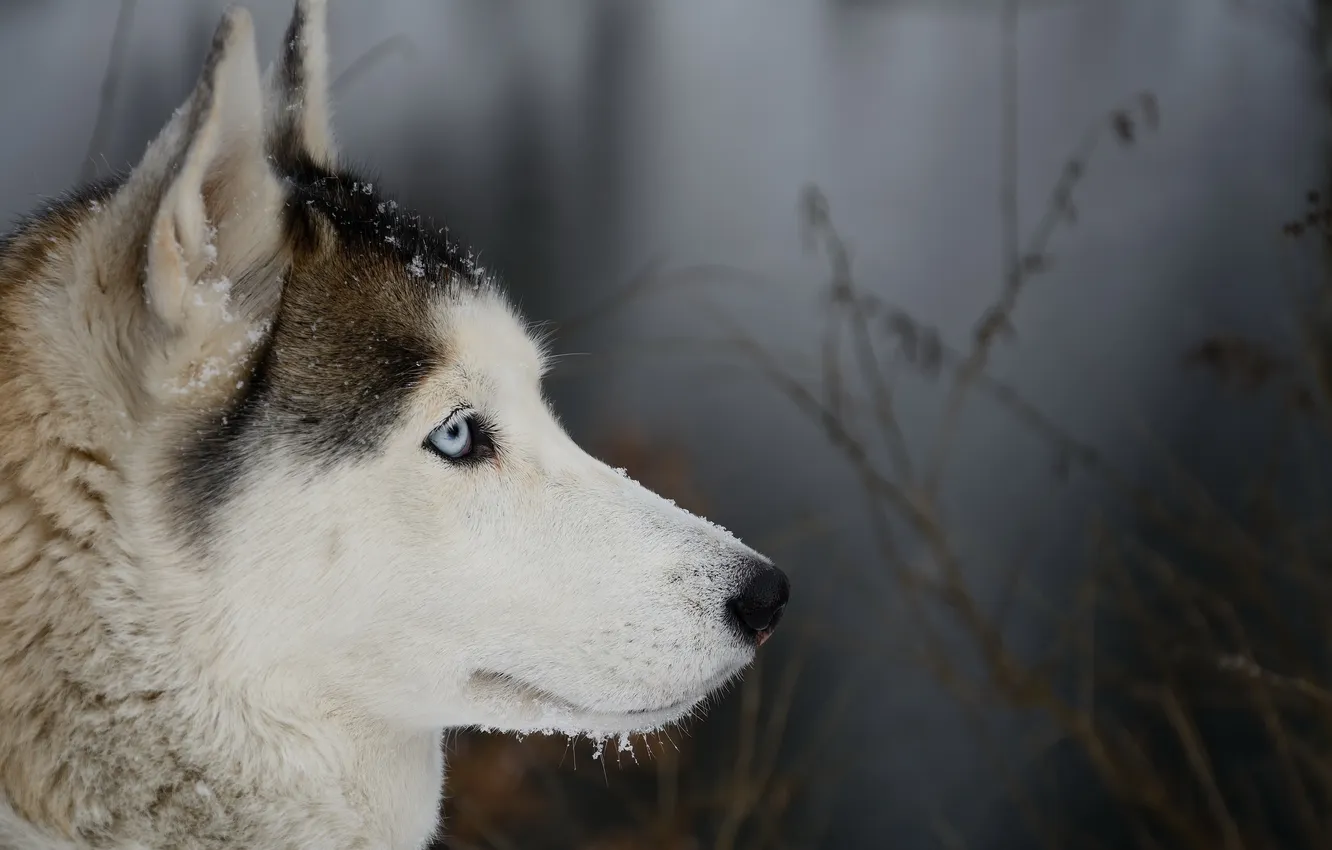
x,y
453,439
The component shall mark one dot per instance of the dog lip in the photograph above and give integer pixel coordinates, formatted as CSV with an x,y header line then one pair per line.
x,y
680,705
570,705
673,707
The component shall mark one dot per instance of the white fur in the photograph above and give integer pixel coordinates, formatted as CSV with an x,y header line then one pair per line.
x,y
407,578
284,680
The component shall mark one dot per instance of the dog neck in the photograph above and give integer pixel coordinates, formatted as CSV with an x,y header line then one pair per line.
x,y
105,742
114,732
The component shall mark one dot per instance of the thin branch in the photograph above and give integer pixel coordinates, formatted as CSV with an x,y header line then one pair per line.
x,y
997,318
818,220
395,45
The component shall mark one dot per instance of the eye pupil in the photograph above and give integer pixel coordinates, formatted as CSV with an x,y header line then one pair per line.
x,y
453,439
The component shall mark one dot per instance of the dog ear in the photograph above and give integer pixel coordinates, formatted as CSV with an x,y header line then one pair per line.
x,y
207,209
213,204
299,112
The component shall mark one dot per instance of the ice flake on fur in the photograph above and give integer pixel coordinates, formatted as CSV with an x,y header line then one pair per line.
x,y
231,366
258,331
560,722
474,270
202,374
210,246
624,743
416,268
219,299
627,746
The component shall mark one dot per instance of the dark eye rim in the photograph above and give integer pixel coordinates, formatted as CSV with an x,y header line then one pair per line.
x,y
481,429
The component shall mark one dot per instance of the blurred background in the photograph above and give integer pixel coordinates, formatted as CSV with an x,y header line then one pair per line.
x,y
1002,325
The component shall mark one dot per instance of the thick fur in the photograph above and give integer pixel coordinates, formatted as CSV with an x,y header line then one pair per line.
x,y
240,601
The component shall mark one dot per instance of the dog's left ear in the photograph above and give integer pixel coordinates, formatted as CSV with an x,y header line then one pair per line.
x,y
299,112
213,204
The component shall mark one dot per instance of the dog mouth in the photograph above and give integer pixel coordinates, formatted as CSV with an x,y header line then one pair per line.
x,y
491,683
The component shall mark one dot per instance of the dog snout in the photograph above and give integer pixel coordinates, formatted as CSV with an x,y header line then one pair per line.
x,y
759,605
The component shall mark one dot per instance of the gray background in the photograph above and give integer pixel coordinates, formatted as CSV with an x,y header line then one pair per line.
x,y
575,142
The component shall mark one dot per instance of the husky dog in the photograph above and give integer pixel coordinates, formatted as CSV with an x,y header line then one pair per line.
x,y
281,501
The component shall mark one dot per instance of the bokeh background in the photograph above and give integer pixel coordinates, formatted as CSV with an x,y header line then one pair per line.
x,y
1000,324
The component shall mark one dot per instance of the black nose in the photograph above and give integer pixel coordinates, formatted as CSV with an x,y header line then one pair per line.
x,y
760,603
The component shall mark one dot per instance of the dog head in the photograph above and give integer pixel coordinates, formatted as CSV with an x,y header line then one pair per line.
x,y
347,472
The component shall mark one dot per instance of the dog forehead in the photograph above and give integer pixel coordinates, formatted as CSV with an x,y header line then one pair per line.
x,y
365,265
486,337
349,307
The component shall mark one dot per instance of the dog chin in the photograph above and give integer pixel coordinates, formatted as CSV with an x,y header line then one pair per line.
x,y
528,709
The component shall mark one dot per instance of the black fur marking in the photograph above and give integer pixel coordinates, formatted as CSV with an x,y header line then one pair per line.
x,y
366,221
286,145
301,79
293,69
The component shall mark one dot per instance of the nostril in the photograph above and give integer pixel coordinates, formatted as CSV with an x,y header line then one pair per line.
x,y
761,602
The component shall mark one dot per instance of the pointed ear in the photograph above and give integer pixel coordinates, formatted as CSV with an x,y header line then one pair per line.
x,y
299,112
215,203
